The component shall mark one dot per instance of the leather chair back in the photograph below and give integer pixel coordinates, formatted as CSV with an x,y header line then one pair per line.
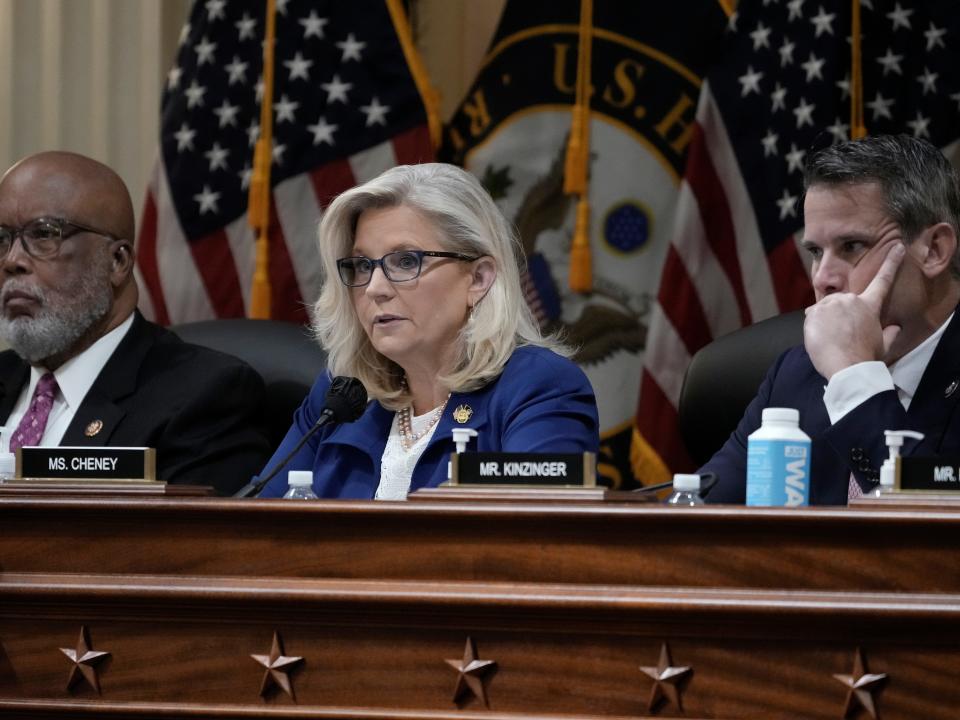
x,y
724,376
284,354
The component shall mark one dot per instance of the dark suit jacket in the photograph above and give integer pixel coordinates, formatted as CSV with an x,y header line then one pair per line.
x,y
856,443
197,407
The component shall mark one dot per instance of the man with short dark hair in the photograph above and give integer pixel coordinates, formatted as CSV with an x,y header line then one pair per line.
x,y
85,367
882,343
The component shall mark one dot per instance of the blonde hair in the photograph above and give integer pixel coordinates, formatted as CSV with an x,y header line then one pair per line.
x,y
467,221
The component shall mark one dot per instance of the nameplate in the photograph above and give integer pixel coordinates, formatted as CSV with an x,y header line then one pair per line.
x,y
928,474
524,469
87,463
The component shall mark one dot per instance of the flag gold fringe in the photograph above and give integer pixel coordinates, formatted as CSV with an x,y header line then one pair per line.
x,y
577,161
428,93
647,465
858,126
258,208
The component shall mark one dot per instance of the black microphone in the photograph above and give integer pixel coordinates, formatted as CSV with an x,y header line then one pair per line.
x,y
345,402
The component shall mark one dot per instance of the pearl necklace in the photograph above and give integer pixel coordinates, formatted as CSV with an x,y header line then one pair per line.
x,y
408,438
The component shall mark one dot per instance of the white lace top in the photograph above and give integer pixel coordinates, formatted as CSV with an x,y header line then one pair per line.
x,y
397,464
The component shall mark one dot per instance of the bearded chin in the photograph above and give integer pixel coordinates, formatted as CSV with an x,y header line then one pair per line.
x,y
58,325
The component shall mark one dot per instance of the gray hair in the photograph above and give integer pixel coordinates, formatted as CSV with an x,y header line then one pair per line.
x,y
66,313
919,186
468,222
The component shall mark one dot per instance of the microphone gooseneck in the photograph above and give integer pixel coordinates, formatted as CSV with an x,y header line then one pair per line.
x,y
345,401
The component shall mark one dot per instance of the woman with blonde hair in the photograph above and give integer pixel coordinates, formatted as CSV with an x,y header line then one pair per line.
x,y
422,302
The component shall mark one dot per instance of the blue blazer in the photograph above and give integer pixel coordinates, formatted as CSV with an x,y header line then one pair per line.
x,y
856,443
541,402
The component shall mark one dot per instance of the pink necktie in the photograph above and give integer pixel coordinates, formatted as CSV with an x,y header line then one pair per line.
x,y
32,425
853,489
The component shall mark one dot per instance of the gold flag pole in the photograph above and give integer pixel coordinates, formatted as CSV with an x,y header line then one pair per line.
x,y
858,127
258,209
577,161
421,78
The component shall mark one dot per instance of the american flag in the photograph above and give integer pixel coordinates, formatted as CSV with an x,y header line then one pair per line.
x,y
781,89
512,130
346,107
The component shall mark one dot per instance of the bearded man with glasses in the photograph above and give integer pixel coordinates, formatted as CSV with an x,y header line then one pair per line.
x,y
85,367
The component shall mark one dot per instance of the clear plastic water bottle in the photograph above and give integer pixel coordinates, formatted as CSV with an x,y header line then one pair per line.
x,y
686,490
8,461
8,467
300,483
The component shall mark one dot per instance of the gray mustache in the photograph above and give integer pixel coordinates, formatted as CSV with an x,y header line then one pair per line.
x,y
15,285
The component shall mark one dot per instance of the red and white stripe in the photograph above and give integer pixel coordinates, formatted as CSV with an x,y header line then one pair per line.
x,y
717,277
211,277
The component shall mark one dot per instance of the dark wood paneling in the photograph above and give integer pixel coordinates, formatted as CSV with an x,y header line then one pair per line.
x,y
570,601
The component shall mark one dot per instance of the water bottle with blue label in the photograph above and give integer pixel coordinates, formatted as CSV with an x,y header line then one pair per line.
x,y
778,461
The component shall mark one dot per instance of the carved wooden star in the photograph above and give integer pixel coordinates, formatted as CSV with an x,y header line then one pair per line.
x,y
668,681
278,667
471,673
85,660
861,686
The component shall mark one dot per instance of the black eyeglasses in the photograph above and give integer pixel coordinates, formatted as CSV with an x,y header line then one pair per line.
x,y
42,237
400,266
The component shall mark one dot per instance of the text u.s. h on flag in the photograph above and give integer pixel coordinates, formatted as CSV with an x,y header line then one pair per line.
x,y
781,89
346,107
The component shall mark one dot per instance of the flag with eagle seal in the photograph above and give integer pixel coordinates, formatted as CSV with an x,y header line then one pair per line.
x,y
511,131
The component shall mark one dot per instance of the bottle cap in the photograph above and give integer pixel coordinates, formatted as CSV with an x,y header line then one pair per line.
x,y
773,414
687,483
300,478
895,440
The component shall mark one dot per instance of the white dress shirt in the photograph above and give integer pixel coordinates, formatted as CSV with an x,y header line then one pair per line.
x,y
74,379
858,383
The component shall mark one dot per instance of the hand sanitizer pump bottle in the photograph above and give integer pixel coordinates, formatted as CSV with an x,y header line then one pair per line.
x,y
888,471
461,438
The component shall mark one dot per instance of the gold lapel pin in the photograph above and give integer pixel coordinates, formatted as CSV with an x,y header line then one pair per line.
x,y
93,428
463,413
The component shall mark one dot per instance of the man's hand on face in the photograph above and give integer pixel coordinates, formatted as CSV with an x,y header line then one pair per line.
x,y
845,328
